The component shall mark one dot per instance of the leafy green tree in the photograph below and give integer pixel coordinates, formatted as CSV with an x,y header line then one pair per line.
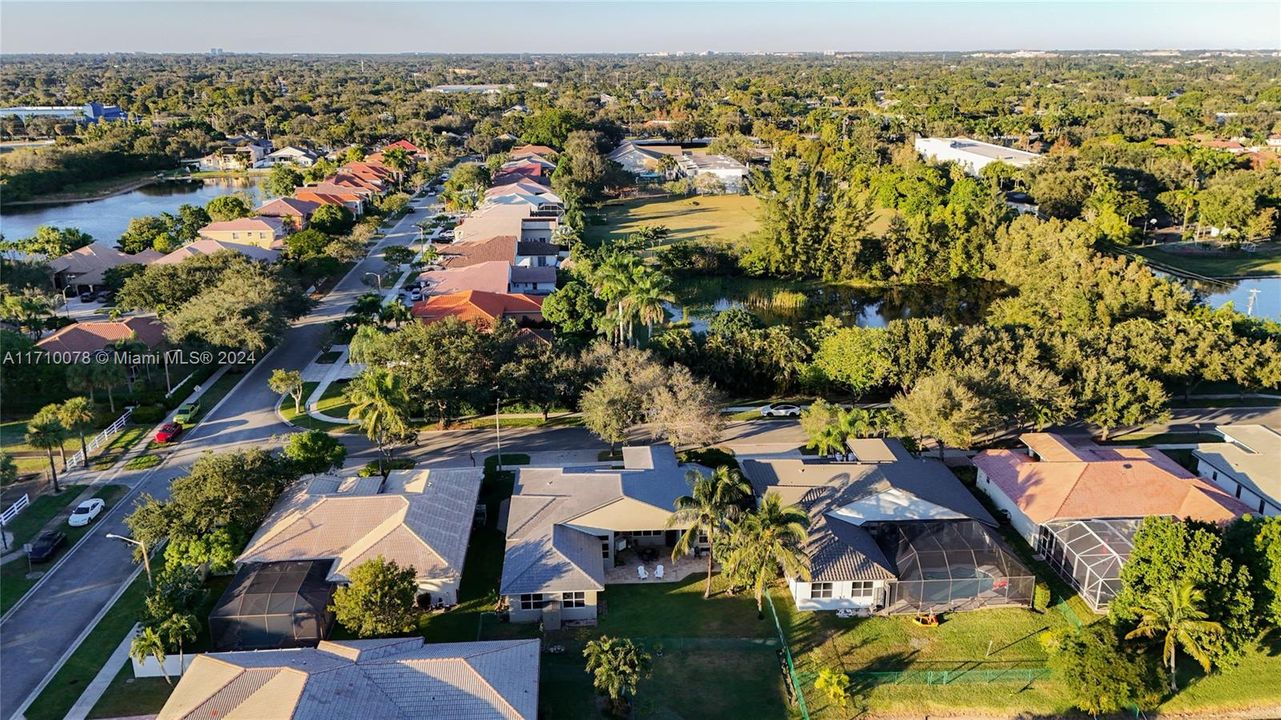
x,y
1114,397
713,501
767,540
8,469
1176,617
379,403
315,451
378,600
941,407
217,549
1100,675
1254,542
617,666
287,382
228,207
834,685
248,309
610,407
858,358
332,219
398,255
54,242
283,180
307,243
551,127
574,310
685,410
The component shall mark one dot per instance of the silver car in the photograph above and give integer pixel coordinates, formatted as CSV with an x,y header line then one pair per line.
x,y
780,410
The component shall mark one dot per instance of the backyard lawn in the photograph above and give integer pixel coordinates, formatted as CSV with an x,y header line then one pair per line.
x,y
1265,260
724,218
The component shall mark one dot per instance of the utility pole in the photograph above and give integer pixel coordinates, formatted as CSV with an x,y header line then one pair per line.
x,y
1249,306
146,556
498,432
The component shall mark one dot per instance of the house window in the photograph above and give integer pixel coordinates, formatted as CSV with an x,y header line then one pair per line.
x,y
821,590
647,533
235,236
532,602
862,589
573,599
604,549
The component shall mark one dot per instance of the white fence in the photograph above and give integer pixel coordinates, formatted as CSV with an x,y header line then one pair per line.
x,y
7,516
98,440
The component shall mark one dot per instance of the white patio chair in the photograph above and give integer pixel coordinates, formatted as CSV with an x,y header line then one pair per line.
x,y
658,573
640,572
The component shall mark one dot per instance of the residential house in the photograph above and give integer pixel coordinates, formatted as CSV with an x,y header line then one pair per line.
x,y
386,678
1247,465
84,269
416,152
205,246
526,150
483,308
892,533
264,232
524,187
491,276
537,254
535,280
730,174
972,155
516,220
1079,504
567,529
243,154
639,160
472,252
81,338
291,155
419,518
544,204
292,212
329,195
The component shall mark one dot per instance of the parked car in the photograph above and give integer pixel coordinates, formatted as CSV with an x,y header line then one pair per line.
x,y
780,410
105,296
415,295
168,432
86,512
86,297
187,413
46,545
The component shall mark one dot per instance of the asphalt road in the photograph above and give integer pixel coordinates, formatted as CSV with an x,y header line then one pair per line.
x,y
64,604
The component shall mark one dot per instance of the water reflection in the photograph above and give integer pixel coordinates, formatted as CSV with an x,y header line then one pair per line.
x,y
107,219
794,303
1266,301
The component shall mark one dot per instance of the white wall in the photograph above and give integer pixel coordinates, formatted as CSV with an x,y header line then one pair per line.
x,y
175,665
446,589
1251,499
840,599
587,612
1021,522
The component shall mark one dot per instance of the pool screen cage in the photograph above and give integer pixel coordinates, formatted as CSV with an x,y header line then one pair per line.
x,y
274,605
1088,554
951,565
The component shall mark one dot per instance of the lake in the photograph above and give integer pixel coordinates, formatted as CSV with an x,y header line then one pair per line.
x,y
791,302
1267,299
107,219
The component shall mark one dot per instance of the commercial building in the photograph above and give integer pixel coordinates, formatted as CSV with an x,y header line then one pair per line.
x,y
973,155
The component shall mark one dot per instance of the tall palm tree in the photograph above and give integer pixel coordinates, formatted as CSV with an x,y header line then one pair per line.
x,y
108,375
379,402
148,643
76,415
617,666
394,313
50,415
613,279
712,501
81,378
646,298
1176,614
398,160
829,440
177,629
46,433
771,538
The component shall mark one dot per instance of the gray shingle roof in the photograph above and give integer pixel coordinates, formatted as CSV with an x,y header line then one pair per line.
x,y
543,553
841,549
383,679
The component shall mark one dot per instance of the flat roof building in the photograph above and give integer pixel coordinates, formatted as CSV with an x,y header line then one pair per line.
x,y
1247,465
973,155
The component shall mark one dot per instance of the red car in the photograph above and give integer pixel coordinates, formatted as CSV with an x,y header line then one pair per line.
x,y
168,432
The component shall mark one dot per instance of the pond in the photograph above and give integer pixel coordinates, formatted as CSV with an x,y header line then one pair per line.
x,y
107,219
793,302
1266,295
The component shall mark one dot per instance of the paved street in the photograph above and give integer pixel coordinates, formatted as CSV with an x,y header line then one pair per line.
x,y
55,613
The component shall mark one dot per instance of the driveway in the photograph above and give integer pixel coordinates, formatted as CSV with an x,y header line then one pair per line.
x,y
47,622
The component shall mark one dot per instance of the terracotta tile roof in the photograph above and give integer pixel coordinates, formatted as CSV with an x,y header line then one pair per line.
x,y
1089,481
472,252
97,335
325,198
477,306
403,145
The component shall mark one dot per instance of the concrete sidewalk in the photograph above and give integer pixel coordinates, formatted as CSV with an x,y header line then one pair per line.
x,y
94,691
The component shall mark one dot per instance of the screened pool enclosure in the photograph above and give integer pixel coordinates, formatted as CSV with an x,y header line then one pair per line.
x,y
951,565
274,605
1088,554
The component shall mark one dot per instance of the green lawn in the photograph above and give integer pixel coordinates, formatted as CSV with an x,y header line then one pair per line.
x,y
303,420
122,443
41,510
725,218
14,582
1266,260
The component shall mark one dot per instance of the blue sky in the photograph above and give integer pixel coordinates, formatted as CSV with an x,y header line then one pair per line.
x,y
344,26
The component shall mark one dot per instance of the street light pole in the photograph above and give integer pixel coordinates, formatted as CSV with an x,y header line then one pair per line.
x,y
377,278
146,556
498,433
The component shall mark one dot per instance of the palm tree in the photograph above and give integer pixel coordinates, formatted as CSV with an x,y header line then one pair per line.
x,y
712,501
76,414
398,160
613,280
379,402
647,296
148,643
177,629
394,313
45,432
108,375
831,439
617,666
1177,615
773,537
81,378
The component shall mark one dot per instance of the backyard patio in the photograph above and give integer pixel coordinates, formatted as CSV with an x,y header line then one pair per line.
x,y
673,571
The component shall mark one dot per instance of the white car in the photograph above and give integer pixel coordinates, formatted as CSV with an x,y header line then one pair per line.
x,y
415,295
85,512
780,410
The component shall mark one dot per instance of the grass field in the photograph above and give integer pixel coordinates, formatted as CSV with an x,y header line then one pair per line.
x,y
331,402
1265,260
725,218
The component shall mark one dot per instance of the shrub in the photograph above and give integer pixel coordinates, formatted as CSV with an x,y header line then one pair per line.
x,y
149,413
